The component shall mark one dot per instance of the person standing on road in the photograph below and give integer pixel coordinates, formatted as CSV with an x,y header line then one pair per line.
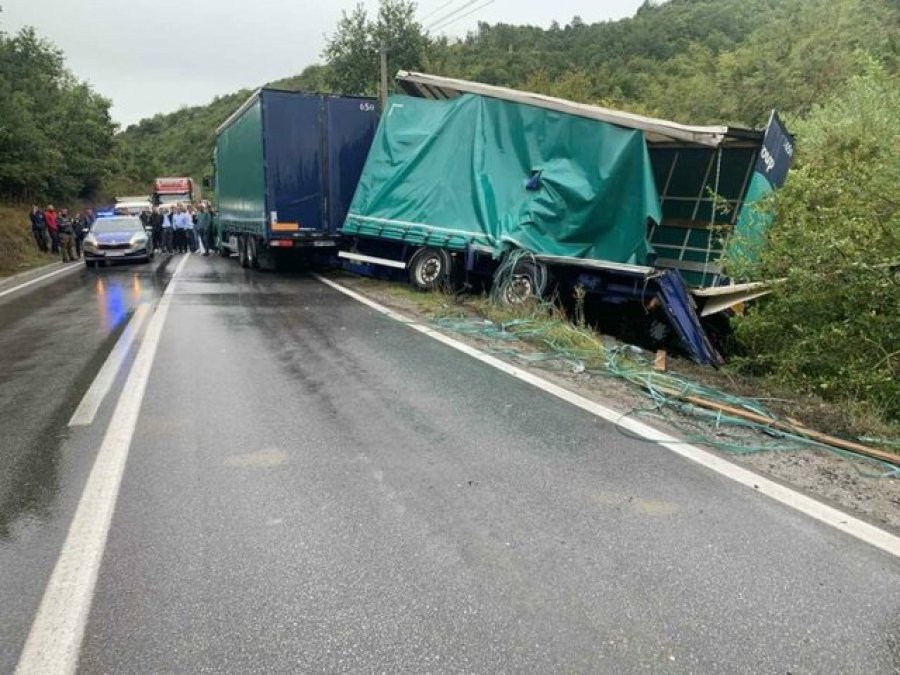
x,y
204,228
191,228
156,228
167,231
81,230
39,228
52,229
66,236
180,224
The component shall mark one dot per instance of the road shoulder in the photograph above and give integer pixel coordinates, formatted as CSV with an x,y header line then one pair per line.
x,y
831,478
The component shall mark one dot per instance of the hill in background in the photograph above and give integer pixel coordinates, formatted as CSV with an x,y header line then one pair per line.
x,y
697,61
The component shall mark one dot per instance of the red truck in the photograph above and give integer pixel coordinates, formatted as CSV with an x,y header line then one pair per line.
x,y
169,191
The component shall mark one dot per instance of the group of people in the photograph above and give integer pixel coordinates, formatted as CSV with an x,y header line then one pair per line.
x,y
176,229
181,228
58,233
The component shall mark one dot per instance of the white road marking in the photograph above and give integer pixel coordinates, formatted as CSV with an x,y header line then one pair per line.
x,y
101,385
54,642
815,509
54,273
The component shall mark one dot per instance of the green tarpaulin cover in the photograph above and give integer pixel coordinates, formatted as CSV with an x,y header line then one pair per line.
x,y
477,170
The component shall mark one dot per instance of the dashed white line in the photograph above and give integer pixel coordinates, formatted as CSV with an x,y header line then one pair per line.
x,y
822,512
54,642
101,385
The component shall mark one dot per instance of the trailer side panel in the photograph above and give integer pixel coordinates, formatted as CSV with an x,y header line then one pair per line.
x,y
240,177
350,127
294,161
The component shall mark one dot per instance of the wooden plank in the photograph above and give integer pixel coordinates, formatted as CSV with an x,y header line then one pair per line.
x,y
833,441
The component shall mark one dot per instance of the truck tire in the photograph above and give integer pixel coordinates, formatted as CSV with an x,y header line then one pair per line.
x,y
429,268
242,250
252,253
528,282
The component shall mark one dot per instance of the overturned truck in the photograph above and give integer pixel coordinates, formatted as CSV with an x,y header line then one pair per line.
x,y
466,179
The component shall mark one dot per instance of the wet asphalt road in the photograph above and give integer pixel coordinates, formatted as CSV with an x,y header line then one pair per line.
x,y
313,487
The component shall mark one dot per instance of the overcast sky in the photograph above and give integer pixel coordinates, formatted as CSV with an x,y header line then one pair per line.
x,y
151,56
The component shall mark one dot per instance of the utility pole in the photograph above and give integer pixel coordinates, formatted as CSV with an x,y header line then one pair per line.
x,y
384,79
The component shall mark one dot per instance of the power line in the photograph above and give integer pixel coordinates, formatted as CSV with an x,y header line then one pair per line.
x,y
451,14
437,9
462,16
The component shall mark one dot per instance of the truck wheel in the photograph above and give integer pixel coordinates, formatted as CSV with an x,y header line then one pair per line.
x,y
252,253
528,281
242,250
429,268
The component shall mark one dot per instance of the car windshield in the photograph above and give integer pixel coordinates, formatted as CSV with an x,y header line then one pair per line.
x,y
117,225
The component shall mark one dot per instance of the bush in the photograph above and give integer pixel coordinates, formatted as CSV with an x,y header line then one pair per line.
x,y
833,324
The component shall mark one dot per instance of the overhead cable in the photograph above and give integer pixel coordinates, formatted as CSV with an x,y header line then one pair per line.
x,y
451,14
462,16
437,9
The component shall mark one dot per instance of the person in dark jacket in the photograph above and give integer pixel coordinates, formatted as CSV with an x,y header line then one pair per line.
x,y
52,229
168,231
156,220
66,236
204,228
82,227
39,228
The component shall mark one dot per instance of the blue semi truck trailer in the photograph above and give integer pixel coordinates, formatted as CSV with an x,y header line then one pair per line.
x,y
286,166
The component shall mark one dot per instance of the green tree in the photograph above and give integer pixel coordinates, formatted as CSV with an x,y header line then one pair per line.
x,y
55,132
352,52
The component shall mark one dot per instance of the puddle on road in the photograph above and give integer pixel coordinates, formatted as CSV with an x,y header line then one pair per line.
x,y
55,339
226,298
116,295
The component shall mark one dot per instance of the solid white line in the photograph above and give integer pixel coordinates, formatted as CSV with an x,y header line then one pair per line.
x,y
69,268
101,385
54,641
822,512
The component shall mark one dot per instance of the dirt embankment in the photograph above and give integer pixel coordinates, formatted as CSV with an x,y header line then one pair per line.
x,y
17,248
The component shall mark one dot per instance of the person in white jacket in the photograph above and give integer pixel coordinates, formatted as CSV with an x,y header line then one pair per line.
x,y
181,222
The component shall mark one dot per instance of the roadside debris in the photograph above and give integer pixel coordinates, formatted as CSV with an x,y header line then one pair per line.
x,y
659,363
585,353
